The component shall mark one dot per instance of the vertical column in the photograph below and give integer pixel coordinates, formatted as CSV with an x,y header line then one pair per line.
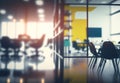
x,y
62,41
55,40
87,8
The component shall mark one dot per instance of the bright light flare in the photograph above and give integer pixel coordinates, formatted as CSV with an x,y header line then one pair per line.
x,y
2,11
40,11
10,17
39,2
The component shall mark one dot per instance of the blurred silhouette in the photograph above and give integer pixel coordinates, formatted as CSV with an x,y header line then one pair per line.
x,y
5,45
75,45
108,52
26,39
36,45
15,46
95,56
5,49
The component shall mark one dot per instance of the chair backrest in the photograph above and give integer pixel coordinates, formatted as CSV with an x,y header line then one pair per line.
x,y
108,50
38,43
41,40
5,42
15,44
74,43
92,49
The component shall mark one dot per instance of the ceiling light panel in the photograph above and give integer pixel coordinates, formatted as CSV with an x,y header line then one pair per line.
x,y
39,2
2,11
41,11
41,15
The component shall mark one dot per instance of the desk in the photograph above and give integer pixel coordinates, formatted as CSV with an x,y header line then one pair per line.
x,y
82,44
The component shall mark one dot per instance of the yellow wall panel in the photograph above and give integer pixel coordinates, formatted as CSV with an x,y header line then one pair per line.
x,y
79,30
79,8
78,25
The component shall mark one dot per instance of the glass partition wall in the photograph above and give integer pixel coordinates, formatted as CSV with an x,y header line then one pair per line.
x,y
75,24
75,32
103,28
90,21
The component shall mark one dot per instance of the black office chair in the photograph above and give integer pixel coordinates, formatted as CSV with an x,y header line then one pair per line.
x,y
5,49
5,45
75,45
95,56
15,46
36,45
108,52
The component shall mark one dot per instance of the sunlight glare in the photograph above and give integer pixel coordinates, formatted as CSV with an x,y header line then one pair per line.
x,y
34,29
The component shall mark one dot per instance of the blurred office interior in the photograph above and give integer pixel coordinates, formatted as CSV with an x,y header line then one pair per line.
x,y
59,41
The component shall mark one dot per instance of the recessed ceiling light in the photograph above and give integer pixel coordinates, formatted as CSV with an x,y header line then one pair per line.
x,y
26,0
39,2
40,10
2,11
41,15
10,17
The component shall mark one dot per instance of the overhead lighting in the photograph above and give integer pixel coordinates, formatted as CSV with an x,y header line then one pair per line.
x,y
41,11
21,20
39,2
41,15
14,20
2,11
42,19
10,17
26,0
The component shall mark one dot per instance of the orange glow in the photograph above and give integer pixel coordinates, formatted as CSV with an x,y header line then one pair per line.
x,y
21,80
8,80
14,20
42,80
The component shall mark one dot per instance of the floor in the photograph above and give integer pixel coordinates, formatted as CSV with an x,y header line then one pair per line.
x,y
76,70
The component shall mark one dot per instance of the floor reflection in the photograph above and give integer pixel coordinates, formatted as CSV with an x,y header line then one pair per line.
x,y
76,70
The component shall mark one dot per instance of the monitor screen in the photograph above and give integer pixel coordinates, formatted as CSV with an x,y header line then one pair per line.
x,y
95,32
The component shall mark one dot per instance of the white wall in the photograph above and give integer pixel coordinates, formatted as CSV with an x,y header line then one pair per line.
x,y
115,24
100,18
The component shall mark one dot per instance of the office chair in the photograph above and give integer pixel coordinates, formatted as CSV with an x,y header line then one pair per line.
x,y
95,56
108,52
15,46
5,45
5,49
36,45
75,45
26,39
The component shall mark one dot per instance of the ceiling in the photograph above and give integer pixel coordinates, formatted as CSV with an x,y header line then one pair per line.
x,y
28,10
92,1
